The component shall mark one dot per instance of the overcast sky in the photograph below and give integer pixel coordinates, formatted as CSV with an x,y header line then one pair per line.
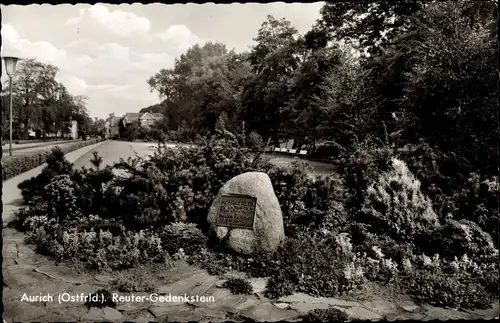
x,y
107,52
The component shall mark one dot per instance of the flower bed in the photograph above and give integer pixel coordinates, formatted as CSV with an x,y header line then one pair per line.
x,y
18,164
369,223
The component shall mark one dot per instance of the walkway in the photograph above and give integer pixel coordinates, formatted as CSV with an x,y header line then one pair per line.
x,y
11,198
28,273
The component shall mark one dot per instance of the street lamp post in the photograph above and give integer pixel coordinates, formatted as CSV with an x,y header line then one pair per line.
x,y
10,67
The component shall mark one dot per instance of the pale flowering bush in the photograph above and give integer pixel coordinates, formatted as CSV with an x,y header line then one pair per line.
x,y
344,244
60,193
407,265
353,272
457,283
99,250
395,205
33,222
180,255
456,238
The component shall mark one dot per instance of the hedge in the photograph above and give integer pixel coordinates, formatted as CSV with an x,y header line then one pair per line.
x,y
16,165
34,141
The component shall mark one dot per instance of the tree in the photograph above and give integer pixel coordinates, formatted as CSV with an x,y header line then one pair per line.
x,y
273,59
303,115
450,90
367,25
204,82
33,86
347,105
97,127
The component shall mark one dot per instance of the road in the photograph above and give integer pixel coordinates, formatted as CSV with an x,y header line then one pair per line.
x,y
111,152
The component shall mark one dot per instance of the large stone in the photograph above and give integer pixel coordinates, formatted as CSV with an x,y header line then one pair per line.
x,y
16,311
268,231
326,301
360,313
438,313
144,316
106,314
267,312
381,307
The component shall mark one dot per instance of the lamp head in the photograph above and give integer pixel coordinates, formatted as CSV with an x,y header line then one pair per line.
x,y
10,65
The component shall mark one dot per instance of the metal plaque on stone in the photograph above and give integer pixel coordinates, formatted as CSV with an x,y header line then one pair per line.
x,y
237,211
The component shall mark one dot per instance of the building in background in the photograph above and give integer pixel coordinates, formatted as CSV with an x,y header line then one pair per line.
x,y
74,129
112,128
148,119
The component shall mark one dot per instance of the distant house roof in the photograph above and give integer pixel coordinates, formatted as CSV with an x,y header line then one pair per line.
x,y
158,115
149,115
133,116
113,122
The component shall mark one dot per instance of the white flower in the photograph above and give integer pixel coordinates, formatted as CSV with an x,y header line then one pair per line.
x,y
427,261
389,264
467,232
344,242
407,264
378,252
435,260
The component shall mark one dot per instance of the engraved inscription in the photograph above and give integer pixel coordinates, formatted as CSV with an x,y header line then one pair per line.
x,y
237,211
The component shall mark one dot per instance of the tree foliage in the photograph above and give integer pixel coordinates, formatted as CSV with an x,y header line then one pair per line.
x,y
41,103
413,78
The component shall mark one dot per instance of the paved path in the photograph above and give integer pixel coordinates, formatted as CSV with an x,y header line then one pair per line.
x,y
28,273
11,195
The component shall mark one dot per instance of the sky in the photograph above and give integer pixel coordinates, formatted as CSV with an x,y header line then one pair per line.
x,y
108,52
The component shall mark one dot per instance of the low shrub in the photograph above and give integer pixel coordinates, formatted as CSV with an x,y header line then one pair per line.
x,y
61,192
100,299
330,314
255,141
98,250
184,236
445,289
456,238
362,167
238,286
279,286
134,283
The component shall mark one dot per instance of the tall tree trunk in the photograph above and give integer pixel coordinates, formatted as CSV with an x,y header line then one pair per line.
x,y
25,130
276,138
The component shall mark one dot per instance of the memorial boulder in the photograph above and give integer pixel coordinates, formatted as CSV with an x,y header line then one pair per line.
x,y
246,216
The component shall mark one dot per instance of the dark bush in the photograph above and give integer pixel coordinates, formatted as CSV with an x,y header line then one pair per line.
x,y
101,298
238,286
134,283
330,314
184,236
56,165
456,238
279,286
447,289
